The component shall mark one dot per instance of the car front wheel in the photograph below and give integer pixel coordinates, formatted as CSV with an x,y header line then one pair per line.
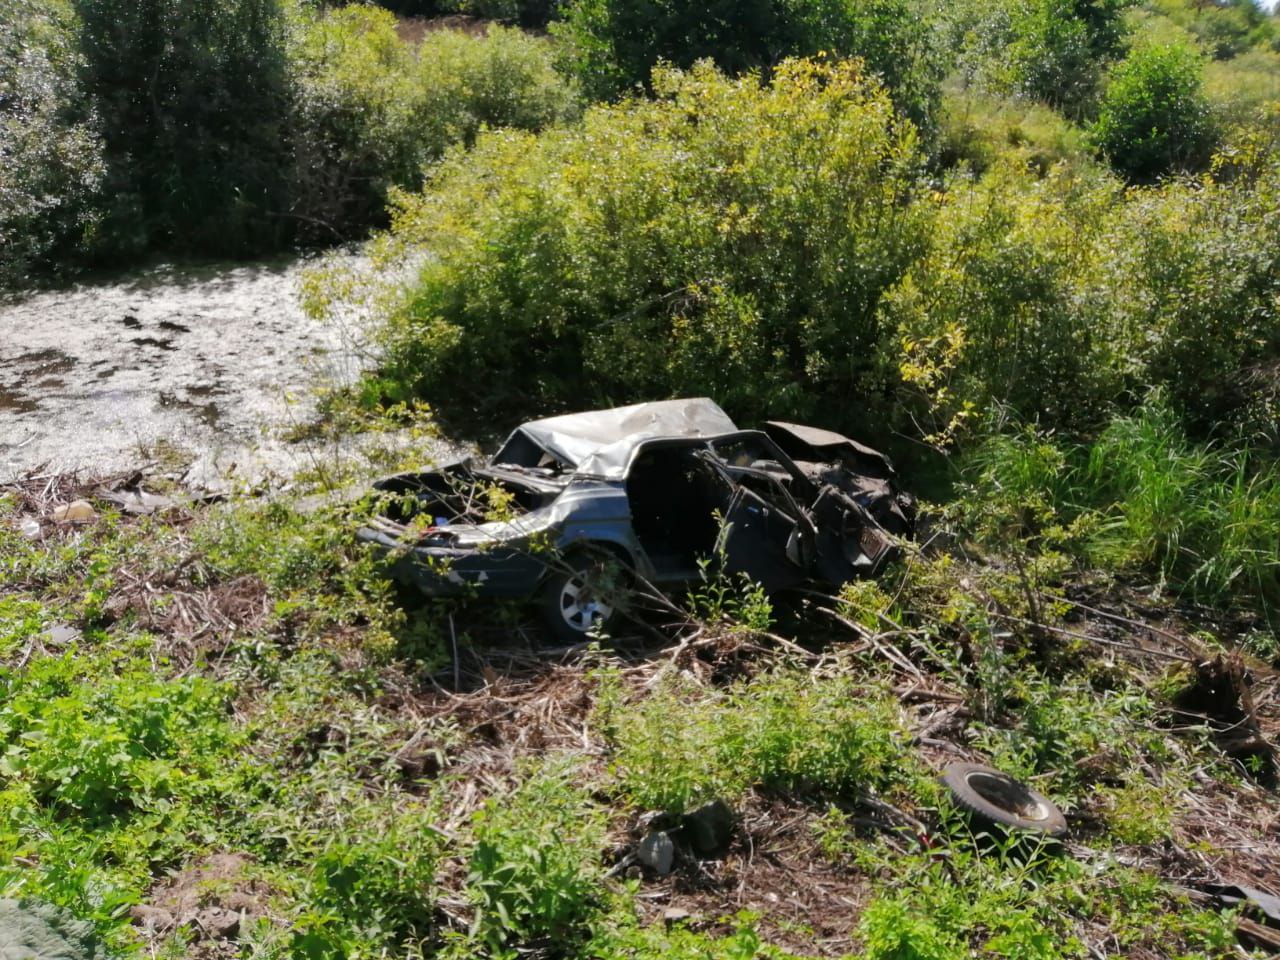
x,y
581,597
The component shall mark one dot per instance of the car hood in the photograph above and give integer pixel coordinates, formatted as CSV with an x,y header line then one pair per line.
x,y
600,443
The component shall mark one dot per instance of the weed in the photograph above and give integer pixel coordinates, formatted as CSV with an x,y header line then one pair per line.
x,y
682,745
534,869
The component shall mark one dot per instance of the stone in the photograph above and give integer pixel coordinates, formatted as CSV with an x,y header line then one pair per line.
x,y
657,851
75,511
709,828
62,634
218,924
155,918
33,930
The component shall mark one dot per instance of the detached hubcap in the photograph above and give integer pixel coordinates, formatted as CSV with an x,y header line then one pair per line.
x,y
580,607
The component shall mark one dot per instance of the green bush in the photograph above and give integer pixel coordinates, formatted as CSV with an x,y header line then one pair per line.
x,y
1154,118
373,112
191,99
1051,51
682,745
96,746
724,239
1067,297
366,893
1022,905
51,165
1059,48
534,870
1011,304
615,44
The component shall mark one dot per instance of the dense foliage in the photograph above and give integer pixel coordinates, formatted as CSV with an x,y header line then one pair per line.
x,y
773,246
1051,51
725,238
235,127
188,98
1154,117
615,44
51,157
371,112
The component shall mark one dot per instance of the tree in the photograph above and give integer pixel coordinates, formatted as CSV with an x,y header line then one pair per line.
x,y
1059,49
50,160
615,44
190,96
1154,117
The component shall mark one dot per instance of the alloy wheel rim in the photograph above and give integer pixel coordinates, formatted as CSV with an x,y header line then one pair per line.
x,y
580,607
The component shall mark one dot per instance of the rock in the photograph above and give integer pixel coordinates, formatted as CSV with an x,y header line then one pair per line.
x,y
156,918
62,634
673,915
32,930
30,528
657,851
138,502
709,828
218,924
75,511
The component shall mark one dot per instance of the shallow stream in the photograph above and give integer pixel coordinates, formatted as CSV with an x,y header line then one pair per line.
x,y
210,364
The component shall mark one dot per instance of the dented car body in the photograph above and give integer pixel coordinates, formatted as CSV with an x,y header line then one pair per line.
x,y
658,485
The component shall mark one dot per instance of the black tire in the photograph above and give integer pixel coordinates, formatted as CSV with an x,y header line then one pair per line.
x,y
996,799
581,592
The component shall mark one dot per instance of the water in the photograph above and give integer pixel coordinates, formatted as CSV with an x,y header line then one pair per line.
x,y
211,364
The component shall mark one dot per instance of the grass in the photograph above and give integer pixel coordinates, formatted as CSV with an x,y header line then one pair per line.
x,y
1203,518
241,681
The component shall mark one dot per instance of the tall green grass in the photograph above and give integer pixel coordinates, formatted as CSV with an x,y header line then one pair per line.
x,y
1203,517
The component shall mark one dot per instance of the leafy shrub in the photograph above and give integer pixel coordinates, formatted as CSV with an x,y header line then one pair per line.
x,y
1011,303
682,746
51,165
358,126
372,112
1065,736
1154,118
534,869
102,746
1050,51
725,239
620,936
506,78
1065,297
891,930
615,44
367,893
191,99
1000,903
1059,48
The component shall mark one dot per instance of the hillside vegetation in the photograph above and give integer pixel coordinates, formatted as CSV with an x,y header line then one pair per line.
x,y
1031,246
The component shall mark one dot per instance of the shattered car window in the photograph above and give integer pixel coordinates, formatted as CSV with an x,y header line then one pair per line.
x,y
751,453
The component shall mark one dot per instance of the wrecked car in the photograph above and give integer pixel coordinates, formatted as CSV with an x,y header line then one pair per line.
x,y
660,487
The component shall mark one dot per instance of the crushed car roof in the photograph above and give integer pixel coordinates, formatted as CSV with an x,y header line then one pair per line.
x,y
601,442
